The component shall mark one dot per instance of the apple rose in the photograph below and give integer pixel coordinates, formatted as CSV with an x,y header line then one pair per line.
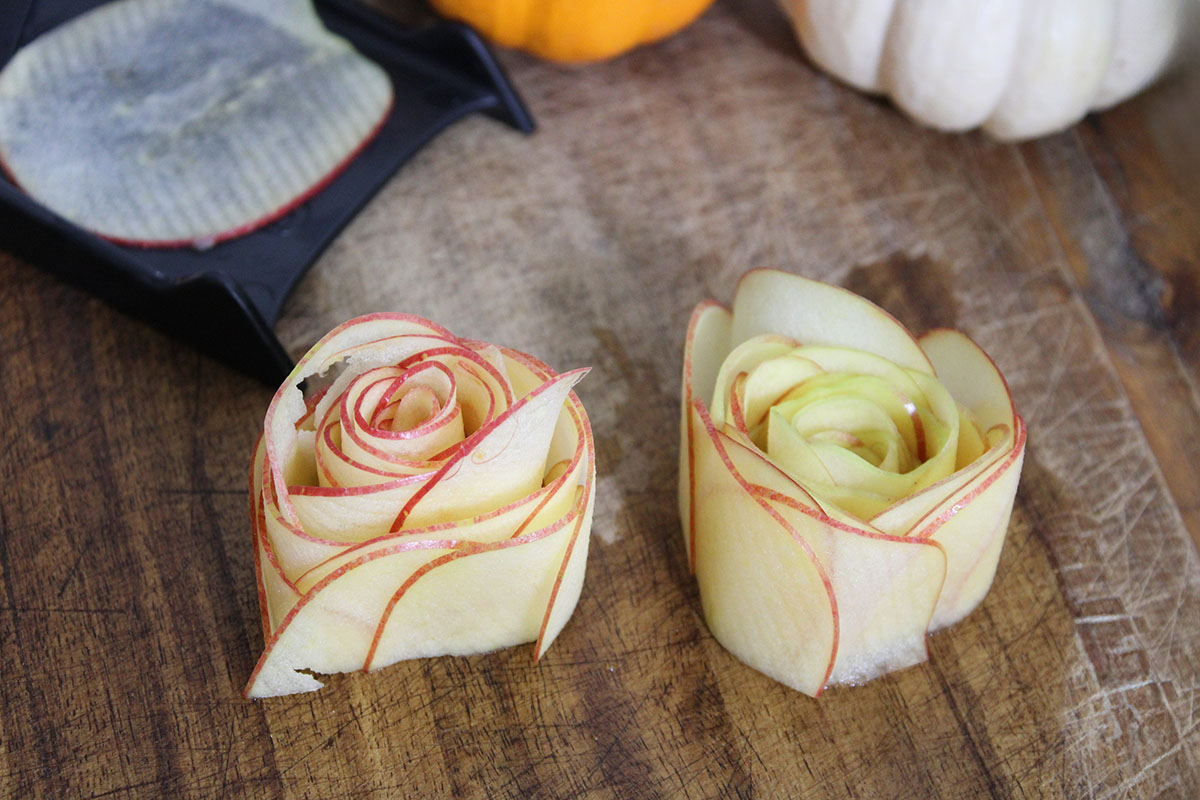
x,y
848,488
415,494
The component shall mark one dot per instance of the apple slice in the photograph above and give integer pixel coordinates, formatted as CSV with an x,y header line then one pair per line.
x,y
884,588
171,123
766,597
704,349
773,302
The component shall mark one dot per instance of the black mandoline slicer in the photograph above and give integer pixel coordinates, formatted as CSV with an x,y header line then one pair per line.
x,y
224,300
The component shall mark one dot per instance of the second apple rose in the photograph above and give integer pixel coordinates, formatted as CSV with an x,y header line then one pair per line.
x,y
844,487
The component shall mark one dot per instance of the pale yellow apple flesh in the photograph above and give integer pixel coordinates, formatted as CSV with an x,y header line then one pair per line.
x,y
463,530
844,487
177,123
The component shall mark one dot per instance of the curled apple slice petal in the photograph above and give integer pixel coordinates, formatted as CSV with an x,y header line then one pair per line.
x,y
469,535
850,482
885,587
765,595
708,340
774,302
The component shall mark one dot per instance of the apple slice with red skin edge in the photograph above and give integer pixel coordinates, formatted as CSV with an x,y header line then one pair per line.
x,y
383,450
904,517
288,407
396,428
499,598
395,335
294,546
563,576
971,377
772,380
487,375
704,349
973,528
510,522
334,522
280,594
144,199
775,302
572,429
333,517
563,449
403,352
277,594
339,614
307,555
322,511
370,509
483,392
254,482
550,502
337,466
491,388
345,606
737,365
568,582
570,450
885,587
765,597
338,469
972,531
502,461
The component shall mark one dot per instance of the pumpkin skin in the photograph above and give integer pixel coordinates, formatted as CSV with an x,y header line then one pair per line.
x,y
1018,68
574,31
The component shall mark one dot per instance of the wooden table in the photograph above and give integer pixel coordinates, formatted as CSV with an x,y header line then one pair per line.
x,y
128,616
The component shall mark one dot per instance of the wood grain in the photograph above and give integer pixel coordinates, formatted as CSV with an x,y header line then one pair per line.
x,y
128,618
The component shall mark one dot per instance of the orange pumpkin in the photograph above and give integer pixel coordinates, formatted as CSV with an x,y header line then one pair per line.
x,y
574,30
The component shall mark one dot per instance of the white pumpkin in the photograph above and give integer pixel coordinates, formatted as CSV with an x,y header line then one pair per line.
x,y
1019,68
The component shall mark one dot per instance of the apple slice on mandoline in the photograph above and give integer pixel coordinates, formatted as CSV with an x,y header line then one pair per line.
x,y
184,122
464,531
849,487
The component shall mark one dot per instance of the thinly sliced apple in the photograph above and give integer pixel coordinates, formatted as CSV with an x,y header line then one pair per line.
x,y
846,494
972,526
502,594
765,596
773,302
770,381
972,532
885,587
501,462
971,376
739,363
334,625
486,548
171,123
705,348
905,517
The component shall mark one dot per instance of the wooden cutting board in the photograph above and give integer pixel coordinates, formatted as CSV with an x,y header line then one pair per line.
x,y
128,618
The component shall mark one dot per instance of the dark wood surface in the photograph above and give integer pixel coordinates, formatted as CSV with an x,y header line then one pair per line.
x,y
128,615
